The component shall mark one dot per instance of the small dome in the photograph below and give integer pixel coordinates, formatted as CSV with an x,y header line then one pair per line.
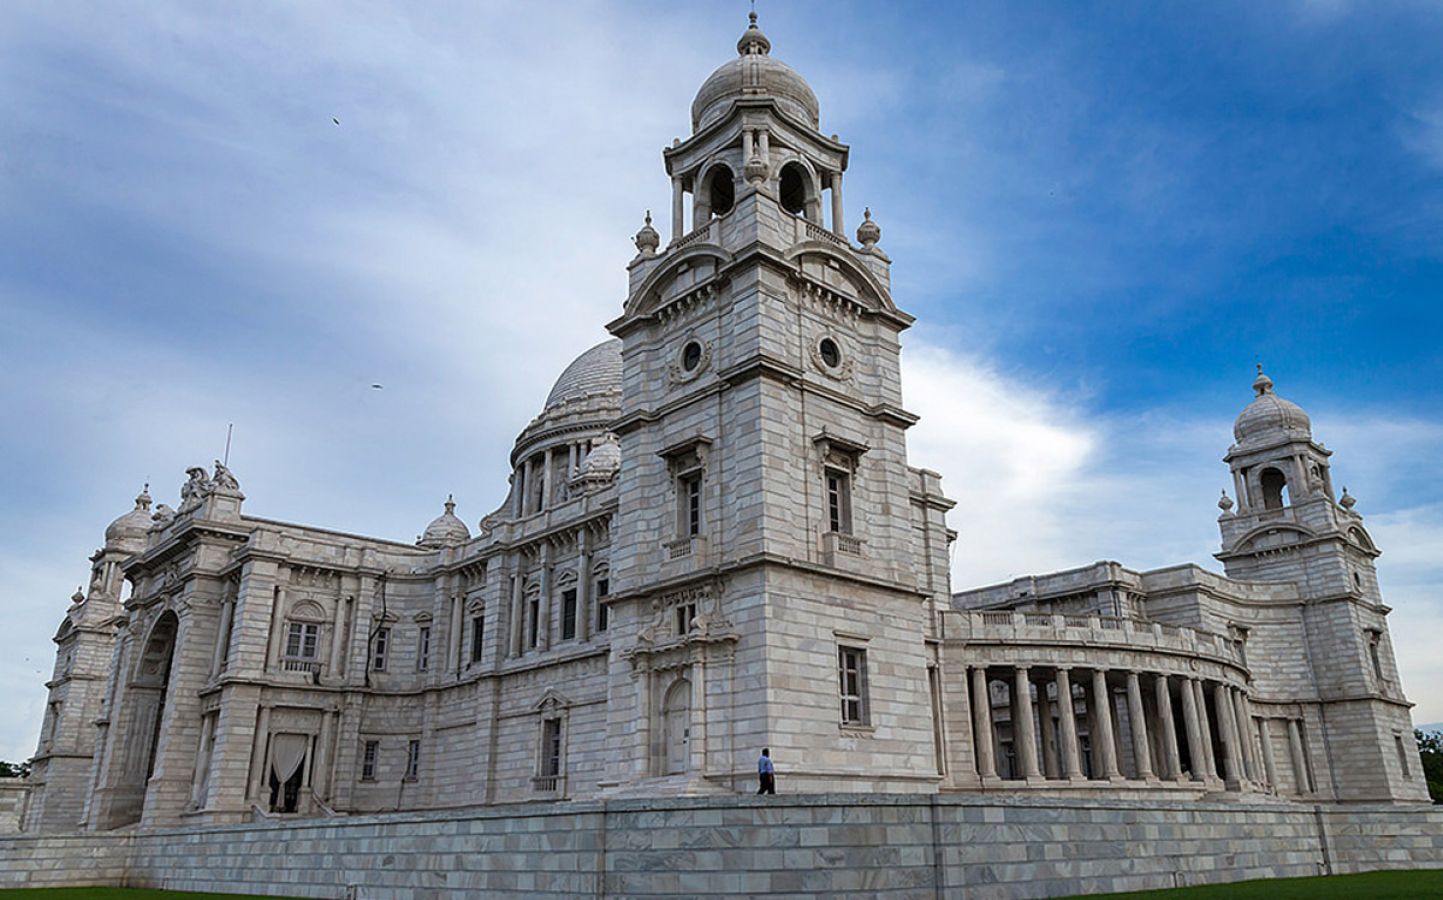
x,y
446,530
131,527
754,74
604,458
597,371
1270,416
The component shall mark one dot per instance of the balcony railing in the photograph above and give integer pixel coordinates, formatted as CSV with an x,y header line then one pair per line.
x,y
301,665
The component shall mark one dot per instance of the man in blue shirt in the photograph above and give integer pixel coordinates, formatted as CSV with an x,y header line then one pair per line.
x,y
766,773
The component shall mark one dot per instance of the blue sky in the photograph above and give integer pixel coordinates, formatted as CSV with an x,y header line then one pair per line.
x,y
1102,215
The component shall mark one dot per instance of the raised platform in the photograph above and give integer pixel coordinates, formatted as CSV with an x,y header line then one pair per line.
x,y
835,844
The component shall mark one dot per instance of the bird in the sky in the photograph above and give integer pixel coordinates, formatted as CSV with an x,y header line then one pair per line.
x,y
336,120
376,387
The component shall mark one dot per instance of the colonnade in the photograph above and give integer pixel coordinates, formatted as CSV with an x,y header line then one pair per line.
x,y
1049,723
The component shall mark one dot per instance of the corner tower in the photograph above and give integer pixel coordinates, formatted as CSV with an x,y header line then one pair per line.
x,y
766,586
1287,527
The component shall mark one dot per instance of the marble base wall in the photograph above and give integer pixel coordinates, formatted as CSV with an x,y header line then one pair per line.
x,y
862,845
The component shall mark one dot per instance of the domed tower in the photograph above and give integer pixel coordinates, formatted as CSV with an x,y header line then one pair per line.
x,y
1287,526
765,521
85,641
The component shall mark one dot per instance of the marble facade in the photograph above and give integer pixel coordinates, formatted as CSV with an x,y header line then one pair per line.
x,y
713,542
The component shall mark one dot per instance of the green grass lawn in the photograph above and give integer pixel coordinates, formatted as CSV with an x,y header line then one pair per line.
x,y
1407,885
103,893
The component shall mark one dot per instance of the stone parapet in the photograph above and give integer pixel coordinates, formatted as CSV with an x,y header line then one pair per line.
x,y
832,844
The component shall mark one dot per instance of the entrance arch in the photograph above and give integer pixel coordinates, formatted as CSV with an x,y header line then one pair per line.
x,y
676,727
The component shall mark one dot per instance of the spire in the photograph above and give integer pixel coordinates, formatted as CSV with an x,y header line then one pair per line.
x,y
752,40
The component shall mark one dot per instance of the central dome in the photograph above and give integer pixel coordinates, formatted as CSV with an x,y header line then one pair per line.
x,y
754,74
597,371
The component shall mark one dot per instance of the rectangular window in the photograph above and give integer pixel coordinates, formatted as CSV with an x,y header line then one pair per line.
x,y
301,640
852,671
478,637
1374,639
1402,754
379,650
423,649
684,615
368,760
688,488
551,748
603,587
413,760
568,614
533,625
839,501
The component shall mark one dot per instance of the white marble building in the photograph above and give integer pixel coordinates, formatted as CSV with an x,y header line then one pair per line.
x,y
713,542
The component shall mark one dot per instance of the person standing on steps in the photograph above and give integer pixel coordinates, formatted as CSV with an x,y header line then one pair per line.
x,y
766,773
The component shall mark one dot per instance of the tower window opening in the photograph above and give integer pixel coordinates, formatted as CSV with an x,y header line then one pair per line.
x,y
691,356
795,191
721,190
831,353
1275,489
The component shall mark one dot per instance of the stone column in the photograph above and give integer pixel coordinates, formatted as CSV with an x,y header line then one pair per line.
x,y
544,619
516,600
982,724
1197,757
1210,763
1172,761
338,632
322,750
1300,762
1245,744
1047,732
548,486
258,755
1071,761
1140,751
1103,740
839,227
748,145
583,585
678,209
765,139
1227,727
222,632
1270,766
1024,740
278,627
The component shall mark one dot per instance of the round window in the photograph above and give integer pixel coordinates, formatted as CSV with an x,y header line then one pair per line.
x,y
831,353
691,356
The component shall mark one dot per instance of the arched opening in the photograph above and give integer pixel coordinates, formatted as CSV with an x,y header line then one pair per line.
x,y
676,726
795,189
1275,489
721,190
154,677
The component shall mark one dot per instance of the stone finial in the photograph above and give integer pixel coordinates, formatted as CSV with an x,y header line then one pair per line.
x,y
78,596
1347,501
450,504
869,232
647,239
1225,503
755,170
142,501
1262,384
752,40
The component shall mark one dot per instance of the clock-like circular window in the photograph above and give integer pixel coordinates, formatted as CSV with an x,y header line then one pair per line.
x,y
831,354
691,356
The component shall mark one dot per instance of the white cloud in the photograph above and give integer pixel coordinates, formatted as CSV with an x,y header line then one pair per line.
x,y
1042,484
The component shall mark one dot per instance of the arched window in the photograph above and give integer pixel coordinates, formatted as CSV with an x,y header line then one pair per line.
x,y
721,190
796,188
1275,489
676,726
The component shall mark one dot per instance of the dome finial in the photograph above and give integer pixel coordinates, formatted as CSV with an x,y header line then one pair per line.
x,y
753,41
1262,384
1225,503
1347,501
869,232
450,503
